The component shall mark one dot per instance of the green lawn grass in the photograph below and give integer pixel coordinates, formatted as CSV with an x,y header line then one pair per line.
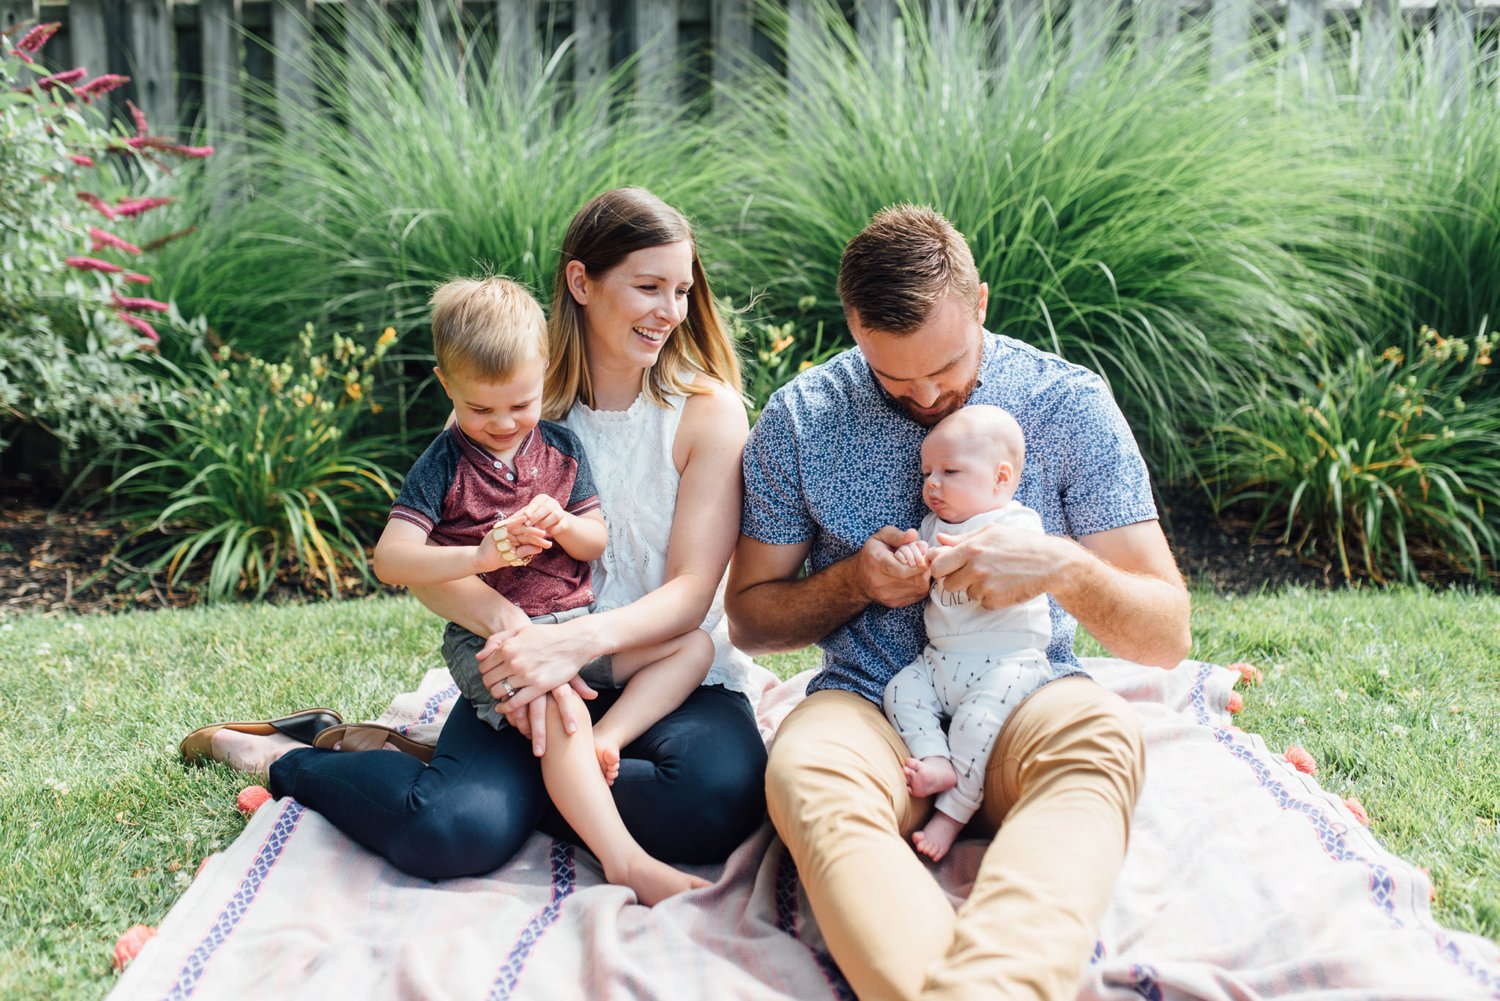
x,y
1396,694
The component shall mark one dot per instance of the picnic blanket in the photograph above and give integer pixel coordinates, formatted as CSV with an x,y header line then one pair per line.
x,y
1244,879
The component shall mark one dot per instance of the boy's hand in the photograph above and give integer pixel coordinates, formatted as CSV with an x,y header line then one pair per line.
x,y
545,513
913,554
524,541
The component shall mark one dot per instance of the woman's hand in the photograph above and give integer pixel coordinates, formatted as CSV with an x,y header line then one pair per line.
x,y
533,661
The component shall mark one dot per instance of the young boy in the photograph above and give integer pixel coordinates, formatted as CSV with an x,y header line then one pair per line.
x,y
978,664
483,500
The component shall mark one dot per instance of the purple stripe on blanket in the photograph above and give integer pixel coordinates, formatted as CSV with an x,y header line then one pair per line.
x,y
1143,981
244,896
1331,835
563,882
430,709
786,921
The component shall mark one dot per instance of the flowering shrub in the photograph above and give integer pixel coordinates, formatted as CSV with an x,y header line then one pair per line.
x,y
258,472
772,354
75,324
1382,455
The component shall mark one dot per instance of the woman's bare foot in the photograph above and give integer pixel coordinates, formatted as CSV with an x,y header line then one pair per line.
x,y
654,881
250,753
938,836
609,759
929,776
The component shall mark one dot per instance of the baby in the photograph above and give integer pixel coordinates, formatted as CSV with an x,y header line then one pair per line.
x,y
979,664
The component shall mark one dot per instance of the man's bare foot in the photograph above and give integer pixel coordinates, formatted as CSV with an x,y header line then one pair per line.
x,y
929,776
655,881
938,836
250,753
609,758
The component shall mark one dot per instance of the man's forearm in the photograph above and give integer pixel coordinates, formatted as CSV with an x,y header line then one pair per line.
x,y
1134,616
779,615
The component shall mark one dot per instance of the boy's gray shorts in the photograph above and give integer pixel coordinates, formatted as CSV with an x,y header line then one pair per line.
x,y
460,647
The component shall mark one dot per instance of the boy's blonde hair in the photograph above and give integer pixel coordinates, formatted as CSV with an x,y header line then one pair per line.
x,y
486,327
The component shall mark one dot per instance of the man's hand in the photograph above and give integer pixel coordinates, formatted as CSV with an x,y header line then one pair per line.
x,y
999,567
883,578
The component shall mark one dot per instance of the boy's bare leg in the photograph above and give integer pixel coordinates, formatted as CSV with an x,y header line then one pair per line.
x,y
571,773
659,678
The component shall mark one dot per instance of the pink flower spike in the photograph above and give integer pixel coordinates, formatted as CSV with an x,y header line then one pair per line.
x,y
38,36
129,208
25,57
102,84
1249,674
93,264
194,152
139,116
1357,808
104,239
1236,703
1301,760
98,204
138,305
136,277
70,77
82,161
141,325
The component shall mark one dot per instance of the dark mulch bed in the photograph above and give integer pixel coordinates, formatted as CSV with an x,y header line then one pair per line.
x,y
61,560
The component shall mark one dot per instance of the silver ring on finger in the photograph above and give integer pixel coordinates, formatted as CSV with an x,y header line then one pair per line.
x,y
510,692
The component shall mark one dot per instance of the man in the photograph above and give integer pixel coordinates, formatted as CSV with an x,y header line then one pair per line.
x,y
832,480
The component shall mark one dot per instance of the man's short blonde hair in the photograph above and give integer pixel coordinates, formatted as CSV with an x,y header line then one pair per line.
x,y
486,327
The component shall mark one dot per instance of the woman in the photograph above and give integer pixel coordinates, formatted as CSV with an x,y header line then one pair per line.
x,y
643,370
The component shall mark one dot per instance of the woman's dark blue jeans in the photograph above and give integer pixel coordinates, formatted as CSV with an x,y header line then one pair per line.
x,y
690,789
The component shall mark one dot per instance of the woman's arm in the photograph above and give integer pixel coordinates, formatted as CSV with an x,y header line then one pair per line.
x,y
706,452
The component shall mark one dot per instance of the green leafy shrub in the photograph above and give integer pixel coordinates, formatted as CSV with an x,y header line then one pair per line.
x,y
261,473
1376,461
75,346
772,353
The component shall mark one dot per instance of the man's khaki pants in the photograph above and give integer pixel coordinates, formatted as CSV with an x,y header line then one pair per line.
x,y
1063,778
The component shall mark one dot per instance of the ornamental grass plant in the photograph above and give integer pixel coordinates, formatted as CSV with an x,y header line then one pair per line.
x,y
1174,234
407,170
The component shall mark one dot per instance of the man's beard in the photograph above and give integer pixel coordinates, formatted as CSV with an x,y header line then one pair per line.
x,y
948,403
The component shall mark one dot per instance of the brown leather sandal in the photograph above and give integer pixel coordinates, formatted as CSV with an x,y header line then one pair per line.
x,y
301,726
373,736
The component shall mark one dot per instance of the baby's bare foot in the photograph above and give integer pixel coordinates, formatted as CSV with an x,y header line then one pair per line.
x,y
938,836
250,753
929,776
609,759
655,881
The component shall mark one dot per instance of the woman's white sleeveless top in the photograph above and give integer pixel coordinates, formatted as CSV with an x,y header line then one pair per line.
x,y
630,455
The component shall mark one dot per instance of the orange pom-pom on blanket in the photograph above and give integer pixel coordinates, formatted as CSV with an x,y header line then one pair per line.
x,y
1249,673
1431,884
128,944
1358,809
251,798
1236,702
1301,760
199,871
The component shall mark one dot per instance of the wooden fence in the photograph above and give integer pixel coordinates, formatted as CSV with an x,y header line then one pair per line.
x,y
189,58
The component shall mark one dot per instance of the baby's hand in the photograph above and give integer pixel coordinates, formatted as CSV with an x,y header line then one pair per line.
x,y
545,513
913,554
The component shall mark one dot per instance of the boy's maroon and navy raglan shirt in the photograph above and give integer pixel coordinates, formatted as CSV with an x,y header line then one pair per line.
x,y
456,492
